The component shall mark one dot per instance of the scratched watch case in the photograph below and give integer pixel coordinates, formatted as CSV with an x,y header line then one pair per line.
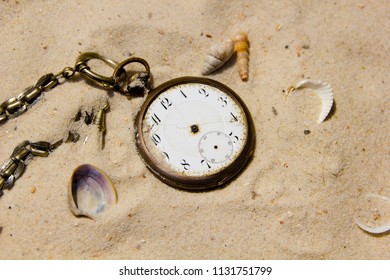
x,y
182,181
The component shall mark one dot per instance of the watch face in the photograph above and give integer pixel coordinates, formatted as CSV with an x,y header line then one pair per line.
x,y
194,133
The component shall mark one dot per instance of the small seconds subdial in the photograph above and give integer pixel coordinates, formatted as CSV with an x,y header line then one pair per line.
x,y
215,147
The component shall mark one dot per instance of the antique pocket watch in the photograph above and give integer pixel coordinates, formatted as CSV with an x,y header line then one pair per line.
x,y
193,133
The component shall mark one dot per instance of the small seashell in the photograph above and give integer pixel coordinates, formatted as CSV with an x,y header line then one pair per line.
x,y
373,213
90,191
323,89
217,56
241,45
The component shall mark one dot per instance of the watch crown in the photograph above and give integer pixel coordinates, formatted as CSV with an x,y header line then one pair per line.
x,y
137,84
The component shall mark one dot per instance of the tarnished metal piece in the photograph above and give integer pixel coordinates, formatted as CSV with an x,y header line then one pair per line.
x,y
38,152
56,145
20,154
20,170
21,148
101,123
30,94
139,79
67,72
8,168
73,136
137,84
41,149
18,105
2,183
14,106
83,68
47,81
14,167
10,182
3,115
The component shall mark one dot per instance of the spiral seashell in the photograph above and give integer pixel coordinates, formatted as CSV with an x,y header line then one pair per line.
x,y
241,45
324,91
217,56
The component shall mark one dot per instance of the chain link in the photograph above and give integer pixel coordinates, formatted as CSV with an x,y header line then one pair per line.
x,y
14,167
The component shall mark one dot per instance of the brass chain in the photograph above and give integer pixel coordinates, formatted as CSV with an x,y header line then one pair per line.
x,y
14,167
17,105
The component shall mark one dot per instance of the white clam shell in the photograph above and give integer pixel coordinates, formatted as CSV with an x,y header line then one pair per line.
x,y
90,191
324,91
217,56
373,213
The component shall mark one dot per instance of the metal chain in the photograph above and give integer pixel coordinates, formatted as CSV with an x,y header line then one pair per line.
x,y
137,83
18,105
14,167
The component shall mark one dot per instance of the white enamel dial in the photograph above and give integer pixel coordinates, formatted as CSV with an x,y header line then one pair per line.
x,y
193,129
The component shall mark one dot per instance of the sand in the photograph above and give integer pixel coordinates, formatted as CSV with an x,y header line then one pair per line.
x,y
298,196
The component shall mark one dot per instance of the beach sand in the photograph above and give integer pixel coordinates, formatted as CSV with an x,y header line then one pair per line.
x,y
296,199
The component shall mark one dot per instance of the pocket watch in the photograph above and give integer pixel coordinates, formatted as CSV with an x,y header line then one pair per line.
x,y
194,133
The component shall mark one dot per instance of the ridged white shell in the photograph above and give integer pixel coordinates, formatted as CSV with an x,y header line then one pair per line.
x,y
324,91
373,214
217,56
90,192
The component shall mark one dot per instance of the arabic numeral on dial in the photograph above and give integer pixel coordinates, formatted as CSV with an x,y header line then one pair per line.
x,y
223,100
156,119
156,139
235,119
165,102
183,93
234,137
204,92
185,164
165,154
203,161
